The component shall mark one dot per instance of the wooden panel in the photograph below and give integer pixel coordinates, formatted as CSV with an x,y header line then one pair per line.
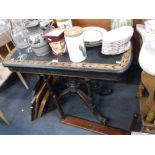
x,y
137,21
81,66
105,23
3,51
93,126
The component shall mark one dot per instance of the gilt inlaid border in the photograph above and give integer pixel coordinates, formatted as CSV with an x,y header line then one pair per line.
x,y
118,66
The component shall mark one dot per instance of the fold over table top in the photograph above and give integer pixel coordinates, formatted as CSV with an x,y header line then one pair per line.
x,y
95,65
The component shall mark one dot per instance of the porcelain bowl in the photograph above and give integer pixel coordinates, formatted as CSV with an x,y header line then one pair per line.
x,y
117,41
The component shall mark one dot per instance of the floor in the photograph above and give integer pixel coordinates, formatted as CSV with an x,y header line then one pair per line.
x,y
119,107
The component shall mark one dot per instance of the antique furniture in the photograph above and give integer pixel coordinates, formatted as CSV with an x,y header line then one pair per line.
x,y
147,63
4,42
96,66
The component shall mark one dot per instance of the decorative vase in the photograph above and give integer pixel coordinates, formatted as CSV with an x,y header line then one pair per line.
x,y
19,37
18,33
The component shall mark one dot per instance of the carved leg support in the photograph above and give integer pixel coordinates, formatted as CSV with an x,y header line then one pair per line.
x,y
65,92
73,88
92,107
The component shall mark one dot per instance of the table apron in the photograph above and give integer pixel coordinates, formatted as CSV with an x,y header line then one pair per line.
x,y
79,74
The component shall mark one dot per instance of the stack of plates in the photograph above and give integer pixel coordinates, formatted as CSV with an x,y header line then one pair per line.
x,y
117,41
93,36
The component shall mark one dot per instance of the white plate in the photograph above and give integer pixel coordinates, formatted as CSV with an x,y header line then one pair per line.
x,y
93,34
93,45
114,51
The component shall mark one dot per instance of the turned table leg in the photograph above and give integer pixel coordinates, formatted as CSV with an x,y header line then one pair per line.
x,y
149,105
73,87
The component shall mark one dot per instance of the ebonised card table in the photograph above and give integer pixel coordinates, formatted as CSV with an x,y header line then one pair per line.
x,y
96,66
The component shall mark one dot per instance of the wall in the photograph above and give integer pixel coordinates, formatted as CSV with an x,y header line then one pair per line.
x,y
105,23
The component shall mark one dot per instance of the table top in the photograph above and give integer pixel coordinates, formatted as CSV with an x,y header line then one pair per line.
x,y
95,62
147,54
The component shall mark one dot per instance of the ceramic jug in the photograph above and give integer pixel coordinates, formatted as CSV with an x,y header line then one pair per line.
x,y
36,38
75,44
56,40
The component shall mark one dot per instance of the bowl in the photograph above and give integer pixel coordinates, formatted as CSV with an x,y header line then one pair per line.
x,y
117,41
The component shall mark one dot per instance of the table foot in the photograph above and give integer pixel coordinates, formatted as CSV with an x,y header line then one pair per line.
x,y
93,126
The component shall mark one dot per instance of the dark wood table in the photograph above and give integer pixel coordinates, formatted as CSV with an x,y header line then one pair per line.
x,y
96,66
